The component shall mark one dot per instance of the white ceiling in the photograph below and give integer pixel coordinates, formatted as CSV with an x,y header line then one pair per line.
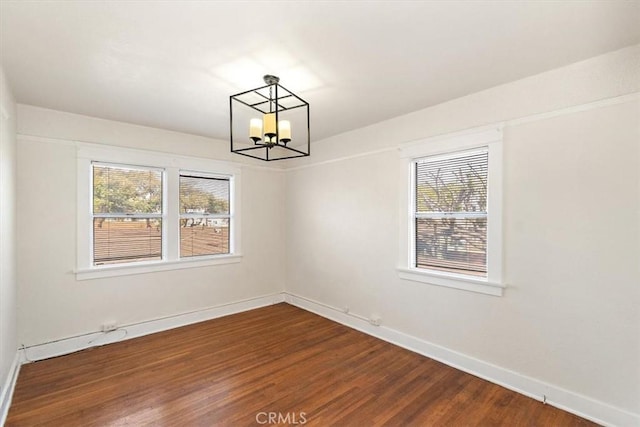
x,y
174,64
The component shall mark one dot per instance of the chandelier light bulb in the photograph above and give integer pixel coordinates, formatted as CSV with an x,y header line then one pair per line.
x,y
284,131
270,125
255,130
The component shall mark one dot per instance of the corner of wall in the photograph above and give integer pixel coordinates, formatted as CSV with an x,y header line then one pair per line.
x,y
8,285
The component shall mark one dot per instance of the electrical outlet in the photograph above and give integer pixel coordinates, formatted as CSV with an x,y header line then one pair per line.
x,y
375,320
109,326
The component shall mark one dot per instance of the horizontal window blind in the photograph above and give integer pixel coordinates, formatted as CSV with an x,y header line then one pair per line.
x,y
117,189
127,214
452,184
451,212
459,245
205,218
117,240
204,195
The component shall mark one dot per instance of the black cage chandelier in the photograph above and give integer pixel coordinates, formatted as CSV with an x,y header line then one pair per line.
x,y
269,123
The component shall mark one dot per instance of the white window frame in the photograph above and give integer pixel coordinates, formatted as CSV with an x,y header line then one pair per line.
x,y
162,215
172,165
228,216
490,138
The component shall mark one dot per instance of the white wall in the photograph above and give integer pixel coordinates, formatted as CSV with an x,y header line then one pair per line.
x,y
8,341
570,316
53,305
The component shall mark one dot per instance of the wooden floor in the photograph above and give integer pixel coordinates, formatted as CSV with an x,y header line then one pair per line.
x,y
277,363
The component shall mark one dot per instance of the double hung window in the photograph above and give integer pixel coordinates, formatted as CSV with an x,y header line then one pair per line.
x,y
451,212
454,224
127,214
205,216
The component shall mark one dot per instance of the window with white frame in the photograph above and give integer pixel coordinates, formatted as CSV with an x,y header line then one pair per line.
x,y
450,212
143,211
126,213
454,225
205,216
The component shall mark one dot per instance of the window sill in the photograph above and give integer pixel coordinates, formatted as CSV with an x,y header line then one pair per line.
x,y
154,266
452,281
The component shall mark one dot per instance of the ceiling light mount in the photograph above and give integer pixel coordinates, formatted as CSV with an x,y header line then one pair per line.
x,y
271,80
279,112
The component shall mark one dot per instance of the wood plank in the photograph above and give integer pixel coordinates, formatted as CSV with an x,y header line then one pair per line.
x,y
277,359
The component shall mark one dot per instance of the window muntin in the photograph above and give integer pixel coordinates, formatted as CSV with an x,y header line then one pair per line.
x,y
450,212
205,215
127,213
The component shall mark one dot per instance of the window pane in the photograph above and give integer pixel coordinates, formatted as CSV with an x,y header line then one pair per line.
x,y
454,245
120,240
126,190
199,195
452,184
204,236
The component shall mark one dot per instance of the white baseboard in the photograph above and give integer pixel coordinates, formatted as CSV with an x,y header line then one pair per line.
x,y
72,344
569,401
8,387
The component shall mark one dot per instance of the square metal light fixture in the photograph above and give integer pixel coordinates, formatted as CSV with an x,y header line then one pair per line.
x,y
269,123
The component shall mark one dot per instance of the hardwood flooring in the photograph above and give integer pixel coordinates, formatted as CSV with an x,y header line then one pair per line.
x,y
274,365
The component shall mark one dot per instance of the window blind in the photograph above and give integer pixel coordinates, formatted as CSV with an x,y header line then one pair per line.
x,y
451,212
127,214
205,218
